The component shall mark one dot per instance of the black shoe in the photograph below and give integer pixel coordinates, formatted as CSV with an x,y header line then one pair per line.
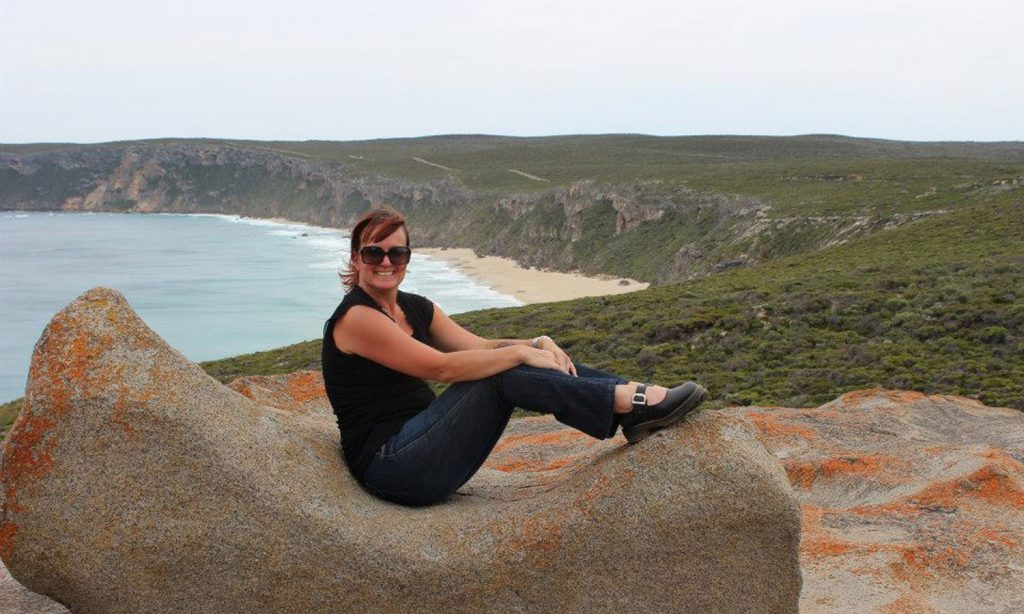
x,y
645,419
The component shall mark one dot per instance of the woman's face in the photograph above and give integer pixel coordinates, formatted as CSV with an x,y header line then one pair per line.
x,y
384,276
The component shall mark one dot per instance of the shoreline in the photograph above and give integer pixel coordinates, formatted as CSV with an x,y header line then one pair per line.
x,y
501,274
529,286
508,277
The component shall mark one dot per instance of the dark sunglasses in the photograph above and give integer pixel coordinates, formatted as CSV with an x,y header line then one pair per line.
x,y
372,254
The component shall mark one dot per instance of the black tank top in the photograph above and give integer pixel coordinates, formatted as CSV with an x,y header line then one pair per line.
x,y
371,401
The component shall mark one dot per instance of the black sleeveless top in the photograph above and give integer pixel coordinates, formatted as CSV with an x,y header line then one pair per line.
x,y
371,401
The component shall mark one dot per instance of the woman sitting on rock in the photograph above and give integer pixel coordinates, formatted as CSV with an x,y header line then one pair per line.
x,y
408,446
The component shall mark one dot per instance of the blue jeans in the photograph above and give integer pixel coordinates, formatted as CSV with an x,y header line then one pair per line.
x,y
440,448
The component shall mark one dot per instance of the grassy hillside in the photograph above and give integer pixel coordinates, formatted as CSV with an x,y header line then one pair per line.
x,y
658,209
483,162
921,285
770,167
936,305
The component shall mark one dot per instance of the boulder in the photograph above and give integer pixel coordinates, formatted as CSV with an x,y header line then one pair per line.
x,y
911,503
134,482
16,599
300,392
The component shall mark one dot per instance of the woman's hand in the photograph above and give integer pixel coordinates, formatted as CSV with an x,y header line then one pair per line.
x,y
542,359
563,360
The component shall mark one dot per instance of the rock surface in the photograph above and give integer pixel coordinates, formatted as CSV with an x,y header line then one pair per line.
x,y
16,599
911,503
300,392
134,482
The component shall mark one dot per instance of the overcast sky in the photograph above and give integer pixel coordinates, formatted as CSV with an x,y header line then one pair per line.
x,y
101,70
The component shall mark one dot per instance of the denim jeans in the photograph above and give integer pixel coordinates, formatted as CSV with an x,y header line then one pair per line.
x,y
440,448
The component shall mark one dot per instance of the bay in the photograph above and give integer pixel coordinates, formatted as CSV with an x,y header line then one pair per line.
x,y
211,285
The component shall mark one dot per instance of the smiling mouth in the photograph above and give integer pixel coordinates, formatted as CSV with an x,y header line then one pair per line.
x,y
384,273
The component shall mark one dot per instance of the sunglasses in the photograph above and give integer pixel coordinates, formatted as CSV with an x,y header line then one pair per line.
x,y
372,254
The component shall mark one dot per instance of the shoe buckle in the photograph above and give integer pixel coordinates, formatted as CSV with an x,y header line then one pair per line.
x,y
639,398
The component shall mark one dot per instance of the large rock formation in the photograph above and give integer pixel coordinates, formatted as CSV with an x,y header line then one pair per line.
x,y
133,482
911,503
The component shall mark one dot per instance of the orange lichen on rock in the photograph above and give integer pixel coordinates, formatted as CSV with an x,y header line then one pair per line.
x,y
815,542
300,392
603,487
515,465
820,546
545,450
993,484
771,426
543,534
7,532
244,388
306,386
901,397
537,538
864,464
917,499
28,451
561,436
803,474
908,603
925,561
999,536
27,454
81,354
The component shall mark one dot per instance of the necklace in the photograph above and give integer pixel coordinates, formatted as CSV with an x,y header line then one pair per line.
x,y
382,308
387,312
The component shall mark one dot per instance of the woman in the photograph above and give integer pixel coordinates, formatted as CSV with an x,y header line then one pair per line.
x,y
407,446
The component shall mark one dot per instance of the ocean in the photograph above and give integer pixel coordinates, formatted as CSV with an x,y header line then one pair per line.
x,y
211,285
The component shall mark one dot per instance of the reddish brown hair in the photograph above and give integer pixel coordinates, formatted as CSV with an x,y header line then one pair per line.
x,y
376,224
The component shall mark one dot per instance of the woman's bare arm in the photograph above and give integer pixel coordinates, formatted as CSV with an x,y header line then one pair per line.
x,y
374,336
448,336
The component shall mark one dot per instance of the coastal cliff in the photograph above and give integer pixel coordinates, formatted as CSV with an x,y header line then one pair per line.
x,y
555,228
661,225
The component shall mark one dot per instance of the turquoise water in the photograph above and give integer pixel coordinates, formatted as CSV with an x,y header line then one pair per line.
x,y
212,286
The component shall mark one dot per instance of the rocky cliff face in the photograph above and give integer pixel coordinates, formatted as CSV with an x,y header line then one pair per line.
x,y
202,178
641,230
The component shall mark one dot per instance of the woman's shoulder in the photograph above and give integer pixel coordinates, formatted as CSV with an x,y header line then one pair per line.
x,y
423,306
355,296
417,298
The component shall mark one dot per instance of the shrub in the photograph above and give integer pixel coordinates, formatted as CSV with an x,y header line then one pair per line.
x,y
994,334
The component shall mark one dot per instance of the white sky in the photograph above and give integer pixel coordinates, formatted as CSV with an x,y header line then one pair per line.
x,y
100,70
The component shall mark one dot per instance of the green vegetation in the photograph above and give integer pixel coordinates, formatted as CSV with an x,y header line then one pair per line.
x,y
8,412
875,263
936,305
297,357
728,200
810,190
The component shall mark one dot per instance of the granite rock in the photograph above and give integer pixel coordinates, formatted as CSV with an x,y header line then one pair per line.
x,y
910,502
301,392
134,482
16,599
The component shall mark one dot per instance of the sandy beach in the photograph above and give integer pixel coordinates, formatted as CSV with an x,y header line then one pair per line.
x,y
530,285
